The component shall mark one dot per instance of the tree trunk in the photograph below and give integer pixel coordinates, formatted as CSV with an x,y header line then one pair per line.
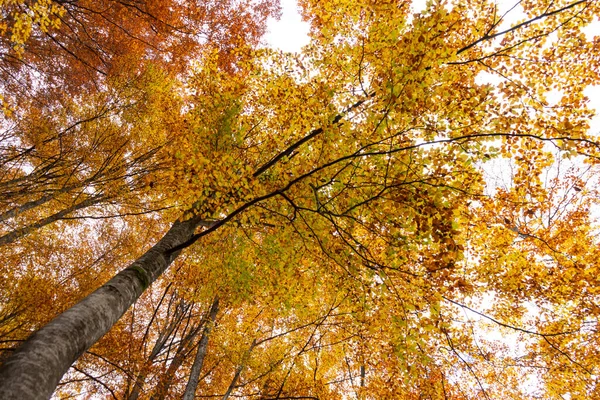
x,y
19,233
238,371
27,206
34,370
176,318
192,384
164,385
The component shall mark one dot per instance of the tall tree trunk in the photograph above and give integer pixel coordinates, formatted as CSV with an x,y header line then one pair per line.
x,y
192,384
238,370
176,319
162,388
27,206
19,233
34,370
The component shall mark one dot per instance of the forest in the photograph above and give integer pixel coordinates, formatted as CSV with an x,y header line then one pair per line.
x,y
407,208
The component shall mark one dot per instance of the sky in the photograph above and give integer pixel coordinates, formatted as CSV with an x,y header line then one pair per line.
x,y
290,33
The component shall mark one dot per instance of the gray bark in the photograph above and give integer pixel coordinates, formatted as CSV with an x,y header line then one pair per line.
x,y
19,233
177,318
27,206
192,384
238,371
164,385
362,376
34,370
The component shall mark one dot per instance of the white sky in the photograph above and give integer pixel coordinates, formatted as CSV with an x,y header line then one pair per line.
x,y
290,33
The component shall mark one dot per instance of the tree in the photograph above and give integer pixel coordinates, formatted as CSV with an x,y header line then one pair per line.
x,y
87,139
109,80
355,173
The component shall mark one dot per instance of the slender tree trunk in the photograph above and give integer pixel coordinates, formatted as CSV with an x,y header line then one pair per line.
x,y
177,318
27,206
19,233
192,384
362,376
162,389
238,371
33,371
139,384
362,383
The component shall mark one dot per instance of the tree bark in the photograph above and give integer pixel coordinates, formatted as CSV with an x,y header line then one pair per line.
x,y
176,319
164,385
192,384
34,370
19,233
238,371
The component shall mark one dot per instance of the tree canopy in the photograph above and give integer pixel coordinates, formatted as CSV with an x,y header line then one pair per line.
x,y
407,208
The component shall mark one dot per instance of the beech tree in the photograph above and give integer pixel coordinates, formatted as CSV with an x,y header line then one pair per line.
x,y
337,202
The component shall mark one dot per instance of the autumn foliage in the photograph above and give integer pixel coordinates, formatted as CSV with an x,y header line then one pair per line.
x,y
406,209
